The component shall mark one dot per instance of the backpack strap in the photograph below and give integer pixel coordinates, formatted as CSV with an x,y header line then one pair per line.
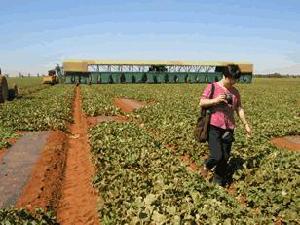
x,y
203,111
212,90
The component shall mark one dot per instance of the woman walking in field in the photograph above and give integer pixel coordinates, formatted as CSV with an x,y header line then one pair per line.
x,y
225,100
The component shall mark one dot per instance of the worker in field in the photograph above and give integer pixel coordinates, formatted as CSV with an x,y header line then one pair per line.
x,y
223,102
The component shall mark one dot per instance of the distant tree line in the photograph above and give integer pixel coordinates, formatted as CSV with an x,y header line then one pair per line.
x,y
276,75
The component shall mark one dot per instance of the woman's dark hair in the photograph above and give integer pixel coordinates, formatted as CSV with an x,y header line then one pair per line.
x,y
233,71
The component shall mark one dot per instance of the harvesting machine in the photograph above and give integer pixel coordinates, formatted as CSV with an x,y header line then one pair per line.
x,y
148,71
7,93
51,78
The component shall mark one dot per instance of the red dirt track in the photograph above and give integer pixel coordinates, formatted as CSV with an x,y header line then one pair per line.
x,y
43,188
128,105
78,204
289,142
2,153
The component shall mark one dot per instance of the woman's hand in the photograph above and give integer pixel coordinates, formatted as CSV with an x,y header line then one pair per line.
x,y
220,98
248,130
241,114
205,103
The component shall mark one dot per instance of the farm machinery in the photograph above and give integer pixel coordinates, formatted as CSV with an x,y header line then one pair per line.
x,y
7,93
54,76
51,78
136,71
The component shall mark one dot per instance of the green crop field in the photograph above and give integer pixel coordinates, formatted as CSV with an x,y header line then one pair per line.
x,y
139,173
40,107
156,187
27,85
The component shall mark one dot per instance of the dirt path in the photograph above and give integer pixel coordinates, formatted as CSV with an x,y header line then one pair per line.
x,y
289,142
44,187
128,105
2,153
78,204
17,164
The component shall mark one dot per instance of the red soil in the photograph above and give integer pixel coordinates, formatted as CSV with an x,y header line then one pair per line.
x,y
189,163
43,188
128,105
78,204
289,142
2,153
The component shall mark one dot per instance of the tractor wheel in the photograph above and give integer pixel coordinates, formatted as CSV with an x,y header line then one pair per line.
x,y
3,89
16,88
13,92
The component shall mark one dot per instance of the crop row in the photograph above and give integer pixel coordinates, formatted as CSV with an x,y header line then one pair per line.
x,y
267,177
22,216
142,182
94,104
44,110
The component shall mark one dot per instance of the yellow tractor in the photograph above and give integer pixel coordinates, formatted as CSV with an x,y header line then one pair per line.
x,y
51,78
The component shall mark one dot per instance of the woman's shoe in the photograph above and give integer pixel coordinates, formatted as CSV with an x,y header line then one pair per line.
x,y
218,180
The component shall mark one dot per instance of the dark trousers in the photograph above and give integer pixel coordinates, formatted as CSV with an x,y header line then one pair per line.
x,y
219,150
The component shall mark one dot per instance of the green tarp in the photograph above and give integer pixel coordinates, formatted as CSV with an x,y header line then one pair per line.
x,y
116,78
68,79
245,78
192,77
161,77
105,77
202,77
139,77
181,77
84,79
129,77
218,76
172,77
212,77
76,79
95,77
135,77
151,78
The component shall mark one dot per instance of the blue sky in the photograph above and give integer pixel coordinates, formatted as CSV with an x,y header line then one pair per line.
x,y
37,34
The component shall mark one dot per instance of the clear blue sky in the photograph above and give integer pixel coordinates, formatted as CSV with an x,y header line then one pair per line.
x,y
36,34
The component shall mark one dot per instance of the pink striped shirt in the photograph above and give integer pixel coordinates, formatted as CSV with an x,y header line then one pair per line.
x,y
223,114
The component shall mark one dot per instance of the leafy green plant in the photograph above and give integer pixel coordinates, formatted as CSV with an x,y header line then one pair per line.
x,y
142,182
48,109
13,216
44,110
